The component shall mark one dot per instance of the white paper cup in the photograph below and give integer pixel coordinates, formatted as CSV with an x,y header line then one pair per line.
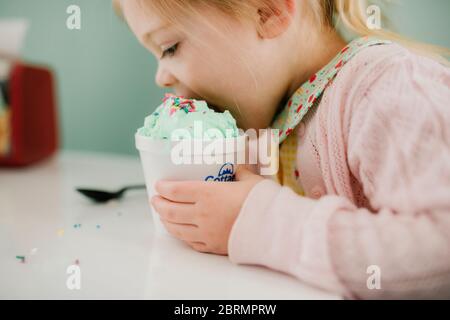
x,y
191,159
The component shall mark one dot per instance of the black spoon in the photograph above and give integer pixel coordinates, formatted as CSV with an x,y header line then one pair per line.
x,y
102,196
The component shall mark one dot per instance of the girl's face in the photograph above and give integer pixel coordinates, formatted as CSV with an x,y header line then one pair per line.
x,y
215,58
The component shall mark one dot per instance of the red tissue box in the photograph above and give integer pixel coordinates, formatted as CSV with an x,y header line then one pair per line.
x,y
28,125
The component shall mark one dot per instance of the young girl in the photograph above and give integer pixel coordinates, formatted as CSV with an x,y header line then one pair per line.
x,y
362,203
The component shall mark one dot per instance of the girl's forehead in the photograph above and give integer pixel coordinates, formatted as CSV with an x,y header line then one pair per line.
x,y
141,19
148,25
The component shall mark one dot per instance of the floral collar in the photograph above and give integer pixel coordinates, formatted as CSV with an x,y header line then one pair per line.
x,y
305,97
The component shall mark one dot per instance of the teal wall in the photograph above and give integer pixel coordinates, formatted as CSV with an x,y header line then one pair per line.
x,y
106,79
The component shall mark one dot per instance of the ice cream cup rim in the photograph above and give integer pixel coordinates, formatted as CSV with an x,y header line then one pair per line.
x,y
149,144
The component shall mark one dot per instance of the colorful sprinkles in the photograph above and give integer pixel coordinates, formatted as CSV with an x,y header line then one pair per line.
x,y
60,233
179,103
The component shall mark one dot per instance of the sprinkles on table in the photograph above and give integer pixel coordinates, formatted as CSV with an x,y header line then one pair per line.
x,y
60,232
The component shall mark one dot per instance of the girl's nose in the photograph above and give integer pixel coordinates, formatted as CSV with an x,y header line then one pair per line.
x,y
164,78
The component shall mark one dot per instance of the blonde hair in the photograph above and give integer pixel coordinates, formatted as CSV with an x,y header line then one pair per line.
x,y
351,13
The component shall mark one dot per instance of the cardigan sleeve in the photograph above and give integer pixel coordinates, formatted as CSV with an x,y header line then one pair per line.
x,y
398,148
397,142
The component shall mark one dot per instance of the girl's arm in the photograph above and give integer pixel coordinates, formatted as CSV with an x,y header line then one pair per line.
x,y
395,134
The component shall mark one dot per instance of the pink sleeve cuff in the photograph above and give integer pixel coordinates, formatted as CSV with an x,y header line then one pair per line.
x,y
278,229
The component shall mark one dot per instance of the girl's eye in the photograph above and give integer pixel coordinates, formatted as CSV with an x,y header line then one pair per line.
x,y
170,51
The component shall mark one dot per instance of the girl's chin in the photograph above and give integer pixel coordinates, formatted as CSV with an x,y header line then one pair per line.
x,y
241,122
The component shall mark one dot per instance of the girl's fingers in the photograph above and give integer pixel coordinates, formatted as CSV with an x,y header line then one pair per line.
x,y
180,191
174,212
185,232
243,173
198,246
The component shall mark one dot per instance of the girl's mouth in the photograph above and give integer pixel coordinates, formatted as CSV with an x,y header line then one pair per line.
x,y
214,107
195,97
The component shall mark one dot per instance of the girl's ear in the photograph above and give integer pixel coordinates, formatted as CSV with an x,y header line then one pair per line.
x,y
275,18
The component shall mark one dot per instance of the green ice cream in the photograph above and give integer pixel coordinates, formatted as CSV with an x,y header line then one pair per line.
x,y
193,116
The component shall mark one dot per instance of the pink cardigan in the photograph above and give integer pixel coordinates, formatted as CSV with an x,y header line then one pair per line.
x,y
374,161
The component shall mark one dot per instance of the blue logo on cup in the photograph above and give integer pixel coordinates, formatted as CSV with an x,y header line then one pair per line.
x,y
226,173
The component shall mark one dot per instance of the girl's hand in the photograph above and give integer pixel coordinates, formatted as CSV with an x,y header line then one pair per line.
x,y
203,213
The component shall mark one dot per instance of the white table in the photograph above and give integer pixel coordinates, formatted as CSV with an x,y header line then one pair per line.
x,y
119,256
